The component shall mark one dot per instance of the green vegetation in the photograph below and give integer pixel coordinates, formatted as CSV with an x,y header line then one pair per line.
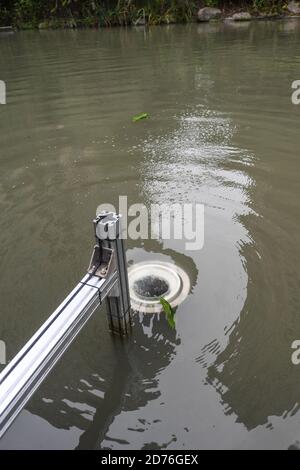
x,y
170,313
140,116
76,13
95,13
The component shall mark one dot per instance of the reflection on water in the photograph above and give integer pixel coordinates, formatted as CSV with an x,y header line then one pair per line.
x,y
193,164
131,381
222,132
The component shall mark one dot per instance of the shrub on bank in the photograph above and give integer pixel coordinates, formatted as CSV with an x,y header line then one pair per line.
x,y
93,13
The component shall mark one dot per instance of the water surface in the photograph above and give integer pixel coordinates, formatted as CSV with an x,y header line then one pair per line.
x,y
222,132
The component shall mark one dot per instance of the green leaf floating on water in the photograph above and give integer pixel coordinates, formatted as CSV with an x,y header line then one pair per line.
x,y
170,313
140,116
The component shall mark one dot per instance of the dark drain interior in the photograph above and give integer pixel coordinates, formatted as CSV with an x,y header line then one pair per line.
x,y
150,287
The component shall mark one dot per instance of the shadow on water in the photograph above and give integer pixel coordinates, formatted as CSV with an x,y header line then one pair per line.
x,y
138,363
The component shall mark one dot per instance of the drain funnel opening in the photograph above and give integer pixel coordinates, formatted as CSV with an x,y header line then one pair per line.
x,y
151,280
151,287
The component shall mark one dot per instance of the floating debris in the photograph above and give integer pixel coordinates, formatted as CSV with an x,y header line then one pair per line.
x,y
140,116
170,313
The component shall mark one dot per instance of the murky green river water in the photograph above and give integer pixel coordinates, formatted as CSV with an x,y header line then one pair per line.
x,y
222,132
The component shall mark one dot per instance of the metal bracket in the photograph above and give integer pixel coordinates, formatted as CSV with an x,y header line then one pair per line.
x,y
102,260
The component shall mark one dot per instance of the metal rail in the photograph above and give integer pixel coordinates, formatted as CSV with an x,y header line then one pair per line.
x,y
106,278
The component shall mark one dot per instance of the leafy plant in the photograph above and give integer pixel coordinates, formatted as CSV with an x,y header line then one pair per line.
x,y
212,3
31,13
4,16
169,311
271,6
28,12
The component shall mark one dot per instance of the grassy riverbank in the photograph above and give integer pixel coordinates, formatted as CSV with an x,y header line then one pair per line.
x,y
96,13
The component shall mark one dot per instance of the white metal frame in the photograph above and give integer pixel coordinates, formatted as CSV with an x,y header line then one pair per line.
x,y
23,375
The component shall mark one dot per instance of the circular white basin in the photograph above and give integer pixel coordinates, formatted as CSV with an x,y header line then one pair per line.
x,y
151,280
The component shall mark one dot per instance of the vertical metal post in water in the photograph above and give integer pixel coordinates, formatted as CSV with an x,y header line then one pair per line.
x,y
108,236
